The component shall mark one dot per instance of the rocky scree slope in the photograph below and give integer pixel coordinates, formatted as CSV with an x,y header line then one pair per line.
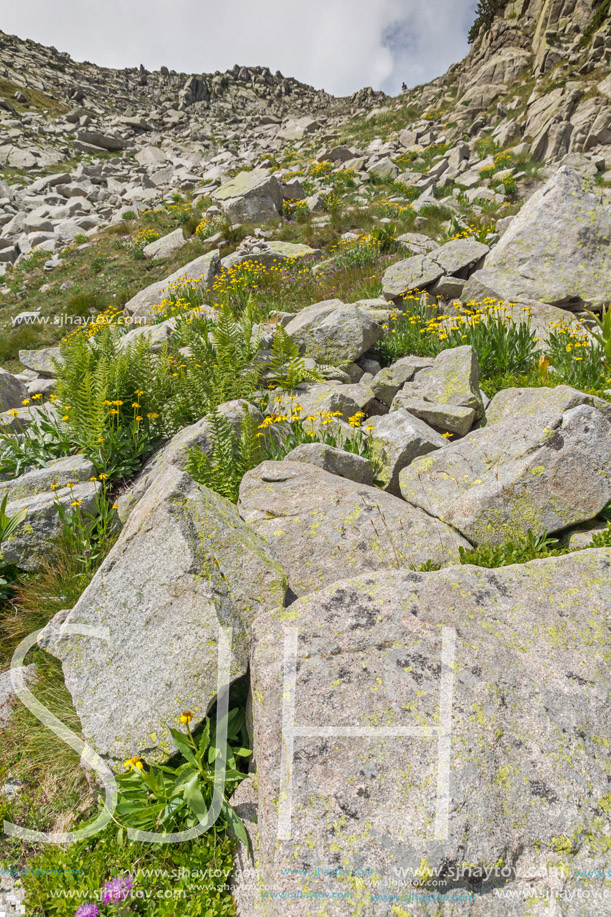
x,y
420,435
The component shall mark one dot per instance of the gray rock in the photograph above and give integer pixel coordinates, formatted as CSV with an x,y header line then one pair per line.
x,y
30,543
447,418
517,403
555,250
165,246
451,384
448,287
251,197
73,469
580,537
335,333
40,386
318,398
389,380
457,257
523,685
105,141
183,565
272,253
397,439
544,474
198,273
452,379
407,276
385,168
12,391
417,243
335,461
322,528
42,361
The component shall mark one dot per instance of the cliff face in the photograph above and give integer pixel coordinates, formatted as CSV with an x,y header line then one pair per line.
x,y
550,30
538,74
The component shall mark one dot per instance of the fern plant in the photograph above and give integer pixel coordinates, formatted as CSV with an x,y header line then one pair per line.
x,y
113,399
221,366
231,457
287,367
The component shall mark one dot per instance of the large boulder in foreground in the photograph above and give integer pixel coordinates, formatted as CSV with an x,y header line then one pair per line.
x,y
519,783
323,528
542,473
198,273
334,333
251,197
184,565
557,248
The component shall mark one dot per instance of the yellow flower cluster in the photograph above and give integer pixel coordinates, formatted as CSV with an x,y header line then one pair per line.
x,y
468,315
145,236
320,169
575,338
393,209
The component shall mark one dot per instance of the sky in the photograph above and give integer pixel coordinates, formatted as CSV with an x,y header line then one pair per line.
x,y
337,45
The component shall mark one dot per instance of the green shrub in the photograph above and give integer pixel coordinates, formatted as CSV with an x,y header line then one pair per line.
x,y
34,446
485,14
172,878
602,539
287,367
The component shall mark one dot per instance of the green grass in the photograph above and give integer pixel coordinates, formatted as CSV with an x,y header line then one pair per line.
x,y
104,274
35,98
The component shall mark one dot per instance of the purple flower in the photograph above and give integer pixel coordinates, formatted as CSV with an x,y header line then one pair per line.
x,y
87,910
118,889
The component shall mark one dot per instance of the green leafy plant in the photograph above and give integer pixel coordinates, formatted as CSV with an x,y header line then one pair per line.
x,y
287,367
513,551
502,345
171,878
113,399
174,797
362,252
232,456
602,539
221,366
603,334
578,360
33,445
8,526
407,332
88,536
384,237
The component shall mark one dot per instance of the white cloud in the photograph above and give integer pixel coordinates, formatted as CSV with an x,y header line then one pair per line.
x,y
338,45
